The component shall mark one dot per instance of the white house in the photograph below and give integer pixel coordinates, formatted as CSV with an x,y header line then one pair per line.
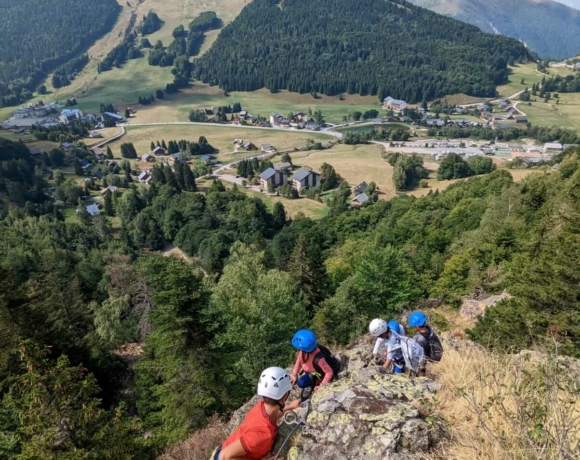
x,y
394,104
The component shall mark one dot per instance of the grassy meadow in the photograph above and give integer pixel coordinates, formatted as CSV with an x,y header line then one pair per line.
x,y
220,137
355,163
565,114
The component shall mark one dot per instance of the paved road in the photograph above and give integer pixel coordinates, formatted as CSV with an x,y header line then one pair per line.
x,y
416,148
194,123
495,101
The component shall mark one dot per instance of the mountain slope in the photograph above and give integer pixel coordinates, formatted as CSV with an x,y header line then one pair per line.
x,y
38,35
547,27
368,47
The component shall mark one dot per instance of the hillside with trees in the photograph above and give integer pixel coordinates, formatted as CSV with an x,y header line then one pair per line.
x,y
38,36
75,292
368,47
546,26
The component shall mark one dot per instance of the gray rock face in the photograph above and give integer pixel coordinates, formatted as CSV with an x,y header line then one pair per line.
x,y
370,416
364,415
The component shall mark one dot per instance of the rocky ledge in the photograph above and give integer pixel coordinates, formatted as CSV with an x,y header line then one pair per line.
x,y
363,415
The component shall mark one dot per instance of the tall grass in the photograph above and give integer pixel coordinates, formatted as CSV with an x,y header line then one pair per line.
x,y
515,407
200,445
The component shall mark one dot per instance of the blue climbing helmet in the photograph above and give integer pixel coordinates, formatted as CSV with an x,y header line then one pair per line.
x,y
394,326
417,319
304,340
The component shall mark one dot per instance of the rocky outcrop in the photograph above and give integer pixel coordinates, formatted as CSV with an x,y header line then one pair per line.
x,y
365,414
368,415
473,308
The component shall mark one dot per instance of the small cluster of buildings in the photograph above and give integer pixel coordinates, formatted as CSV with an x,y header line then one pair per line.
x,y
53,114
298,120
278,176
249,146
502,120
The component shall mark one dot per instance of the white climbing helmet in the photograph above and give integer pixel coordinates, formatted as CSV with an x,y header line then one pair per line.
x,y
274,383
378,326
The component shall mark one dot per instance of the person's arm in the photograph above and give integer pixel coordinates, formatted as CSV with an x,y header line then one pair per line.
x,y
297,367
377,348
328,372
292,405
235,451
387,363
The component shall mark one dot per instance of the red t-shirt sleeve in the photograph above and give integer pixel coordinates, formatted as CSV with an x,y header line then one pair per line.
x,y
257,443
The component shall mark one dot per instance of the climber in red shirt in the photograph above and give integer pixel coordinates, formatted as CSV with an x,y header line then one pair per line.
x,y
255,437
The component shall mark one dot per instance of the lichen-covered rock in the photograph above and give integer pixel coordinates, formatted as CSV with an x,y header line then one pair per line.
x,y
364,415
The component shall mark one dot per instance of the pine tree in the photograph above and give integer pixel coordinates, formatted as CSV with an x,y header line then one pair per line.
x,y
306,269
189,179
109,153
109,210
152,146
170,178
279,215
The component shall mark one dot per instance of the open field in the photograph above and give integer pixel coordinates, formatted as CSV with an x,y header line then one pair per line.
x,y
176,107
305,206
29,140
174,13
220,137
566,114
354,163
527,72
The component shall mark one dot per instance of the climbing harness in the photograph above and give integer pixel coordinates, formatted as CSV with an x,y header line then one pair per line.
x,y
292,418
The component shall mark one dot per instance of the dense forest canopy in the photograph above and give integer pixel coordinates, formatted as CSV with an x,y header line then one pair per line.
x,y
377,47
72,293
38,35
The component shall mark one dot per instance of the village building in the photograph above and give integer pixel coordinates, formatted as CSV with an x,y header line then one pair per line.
x,y
521,119
305,178
360,188
394,104
272,177
313,126
208,159
238,142
267,148
109,189
250,146
159,151
93,210
279,120
300,116
148,158
115,116
98,175
145,178
69,115
551,147
359,200
283,166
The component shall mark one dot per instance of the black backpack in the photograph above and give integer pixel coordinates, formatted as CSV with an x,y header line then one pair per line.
x,y
330,359
435,347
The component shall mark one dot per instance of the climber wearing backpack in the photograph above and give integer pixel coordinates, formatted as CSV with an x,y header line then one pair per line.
x,y
316,363
255,437
426,337
388,339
